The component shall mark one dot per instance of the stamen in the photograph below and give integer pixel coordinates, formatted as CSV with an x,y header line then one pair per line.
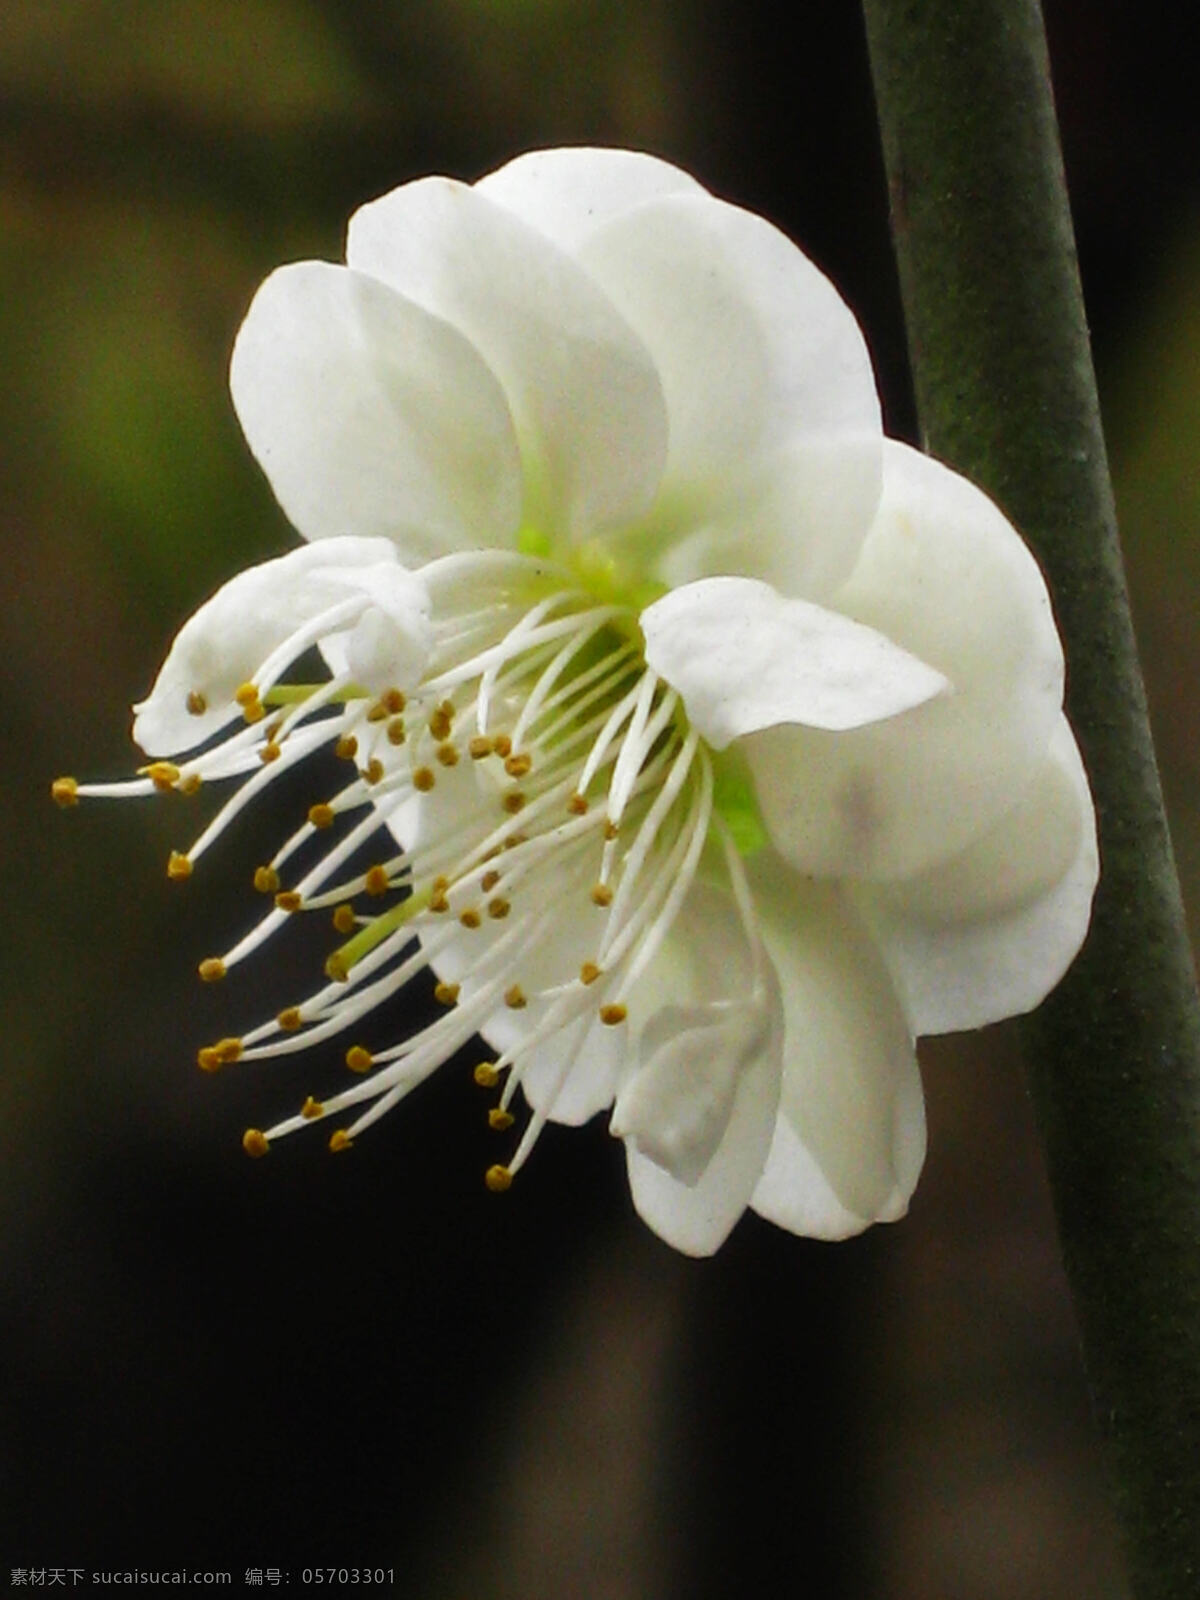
x,y
612,1015
196,704
446,993
423,779
498,1179
358,1059
211,969
486,1075
178,866
254,1143
499,1120
311,1109
340,1140
65,792
266,880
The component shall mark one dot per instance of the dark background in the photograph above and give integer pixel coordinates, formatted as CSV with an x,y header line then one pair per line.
x,y
214,1363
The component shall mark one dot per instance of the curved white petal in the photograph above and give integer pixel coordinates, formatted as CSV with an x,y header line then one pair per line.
x,y
226,640
582,387
370,416
850,1141
569,192
769,390
990,932
944,575
745,658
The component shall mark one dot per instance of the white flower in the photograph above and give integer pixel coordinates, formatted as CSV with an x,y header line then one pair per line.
x,y
709,745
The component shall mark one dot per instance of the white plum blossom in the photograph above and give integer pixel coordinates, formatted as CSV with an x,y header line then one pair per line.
x,y
706,745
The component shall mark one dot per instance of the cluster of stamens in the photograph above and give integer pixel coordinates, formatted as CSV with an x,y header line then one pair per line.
x,y
535,766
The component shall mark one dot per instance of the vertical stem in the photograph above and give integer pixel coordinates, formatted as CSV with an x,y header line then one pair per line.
x,y
1006,394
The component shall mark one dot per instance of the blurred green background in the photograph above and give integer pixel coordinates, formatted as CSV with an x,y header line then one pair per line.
x,y
214,1363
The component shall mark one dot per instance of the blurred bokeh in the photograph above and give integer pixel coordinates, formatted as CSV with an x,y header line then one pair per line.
x,y
369,1360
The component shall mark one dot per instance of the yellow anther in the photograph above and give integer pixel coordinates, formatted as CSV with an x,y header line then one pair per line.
x,y
438,901
489,880
393,702
212,969
447,754
577,805
498,908
442,720
208,1059
378,712
340,1140
612,1015
311,1109
486,1075
479,747
346,748
336,968
64,792
601,894
344,919
228,1051
513,802
163,775
611,830
589,972
196,703
358,1059
190,784
446,993
514,998
266,880
498,1179
502,745
518,765
253,712
269,752
254,1143
396,731
377,881
178,866
321,815
373,771
499,1119
246,694
288,900
470,918
423,779
289,1019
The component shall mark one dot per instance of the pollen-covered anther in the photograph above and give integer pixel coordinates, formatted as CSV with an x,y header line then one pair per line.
x,y
340,1140
211,969
577,805
489,880
377,882
518,764
423,779
438,901
208,1059
246,695
486,1075
65,792
499,1119
289,1019
269,752
514,998
196,704
498,1179
601,894
470,918
447,754
446,993
396,731
312,1109
393,701
228,1051
513,802
288,900
479,747
266,880
255,1143
346,748
373,771
164,775
442,720
589,972
498,908
179,866
344,919
613,1015
502,745
611,830
378,712
321,815
359,1059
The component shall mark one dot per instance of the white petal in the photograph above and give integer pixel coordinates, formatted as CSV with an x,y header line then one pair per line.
x,y
370,416
569,192
581,385
766,377
851,1136
990,932
942,574
227,639
746,658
